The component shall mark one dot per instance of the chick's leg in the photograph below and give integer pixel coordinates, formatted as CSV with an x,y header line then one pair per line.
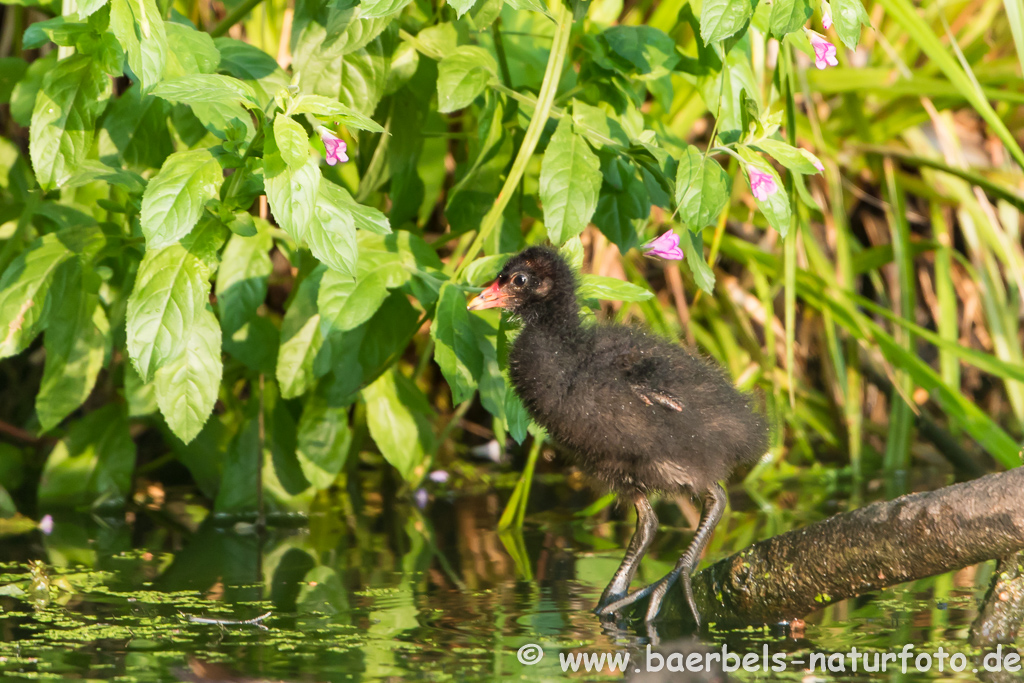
x,y
646,527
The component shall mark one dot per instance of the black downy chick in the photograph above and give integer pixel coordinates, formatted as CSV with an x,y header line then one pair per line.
x,y
639,413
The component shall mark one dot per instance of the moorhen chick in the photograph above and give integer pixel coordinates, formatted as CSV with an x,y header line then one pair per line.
x,y
639,413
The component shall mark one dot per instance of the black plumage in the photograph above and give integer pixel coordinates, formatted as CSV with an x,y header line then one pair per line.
x,y
639,413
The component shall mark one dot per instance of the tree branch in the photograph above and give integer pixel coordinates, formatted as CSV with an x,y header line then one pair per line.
x,y
884,544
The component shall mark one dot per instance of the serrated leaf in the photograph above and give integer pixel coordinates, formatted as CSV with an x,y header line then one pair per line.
x,y
462,6
570,181
484,269
292,194
788,16
793,158
847,17
189,51
214,89
323,439
651,51
301,340
612,289
71,99
24,304
702,189
324,106
170,292
186,388
346,303
366,217
332,236
720,19
92,464
572,252
775,206
456,348
370,9
462,76
693,247
174,198
397,415
292,141
76,342
242,278
137,125
139,28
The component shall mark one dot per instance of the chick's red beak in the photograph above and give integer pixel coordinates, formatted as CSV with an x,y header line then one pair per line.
x,y
492,297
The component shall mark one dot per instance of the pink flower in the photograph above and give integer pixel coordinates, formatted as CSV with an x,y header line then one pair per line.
x,y
439,476
826,17
761,184
46,525
665,246
334,146
824,51
818,165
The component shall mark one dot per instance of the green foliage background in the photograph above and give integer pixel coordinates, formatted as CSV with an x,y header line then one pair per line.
x,y
185,280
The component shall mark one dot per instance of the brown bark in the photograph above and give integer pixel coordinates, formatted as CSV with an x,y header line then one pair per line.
x,y
884,544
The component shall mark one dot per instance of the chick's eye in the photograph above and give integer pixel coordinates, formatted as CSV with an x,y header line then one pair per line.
x,y
519,280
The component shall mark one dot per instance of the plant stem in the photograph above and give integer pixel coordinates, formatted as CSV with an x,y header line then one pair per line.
x,y
234,17
545,98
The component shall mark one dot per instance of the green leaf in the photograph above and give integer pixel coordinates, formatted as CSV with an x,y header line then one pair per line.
x,y
139,28
462,6
516,417
485,269
382,8
76,342
795,159
398,417
350,83
186,387
332,236
93,464
788,16
24,304
189,51
301,340
720,19
776,206
242,278
613,289
702,189
72,97
693,247
170,292
292,194
462,76
572,251
651,51
137,125
531,5
324,106
456,348
570,180
346,303
292,141
847,17
174,199
365,217
323,440
207,89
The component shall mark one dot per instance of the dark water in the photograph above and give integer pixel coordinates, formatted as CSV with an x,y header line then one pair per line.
x,y
384,592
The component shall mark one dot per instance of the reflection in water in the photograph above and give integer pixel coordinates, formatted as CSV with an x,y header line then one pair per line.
x,y
381,591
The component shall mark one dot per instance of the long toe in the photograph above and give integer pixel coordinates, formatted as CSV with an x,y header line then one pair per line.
x,y
688,590
658,594
619,604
